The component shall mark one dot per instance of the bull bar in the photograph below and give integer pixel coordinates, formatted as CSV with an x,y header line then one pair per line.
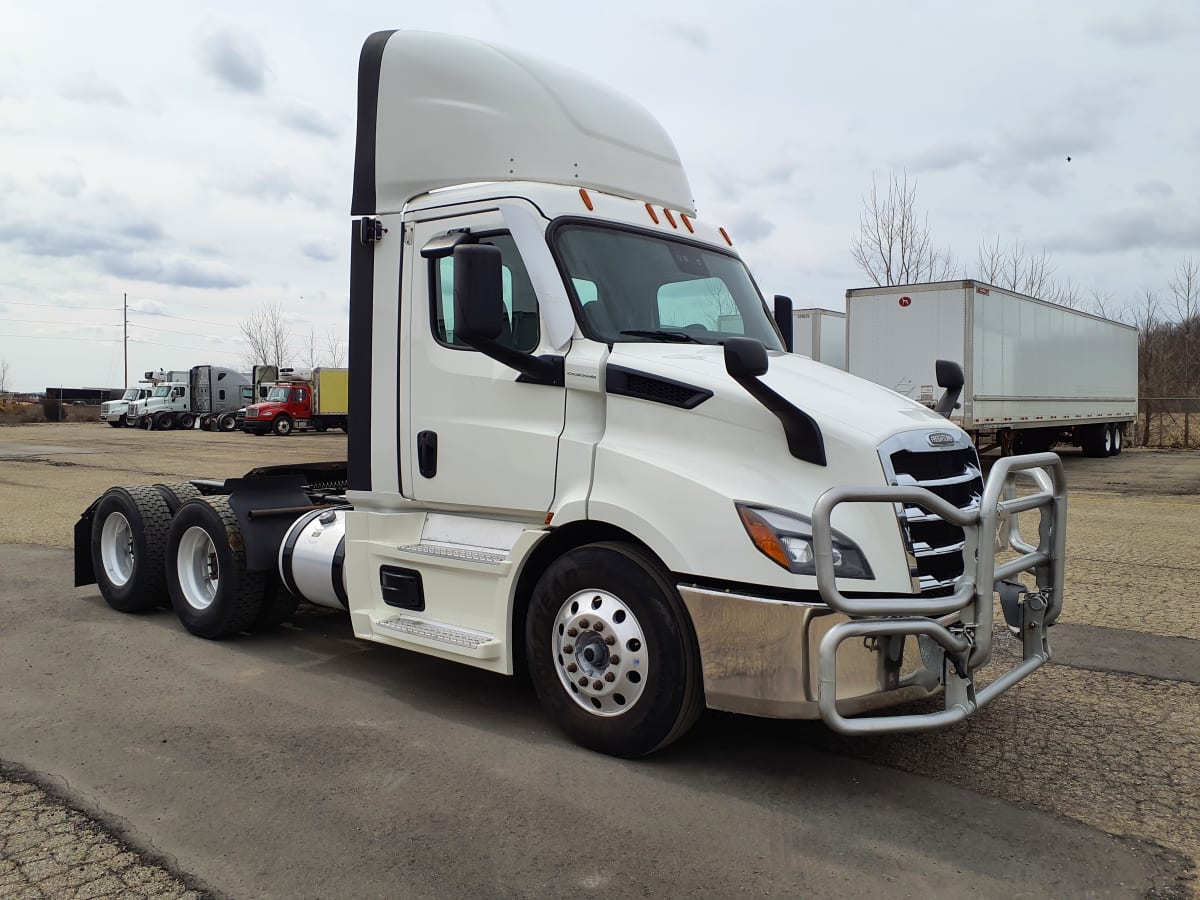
x,y
957,626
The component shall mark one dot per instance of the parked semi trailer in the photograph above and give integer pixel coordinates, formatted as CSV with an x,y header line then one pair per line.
x,y
301,400
205,394
578,445
1037,374
820,334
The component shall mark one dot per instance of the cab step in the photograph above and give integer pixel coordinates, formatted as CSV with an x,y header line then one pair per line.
x,y
442,636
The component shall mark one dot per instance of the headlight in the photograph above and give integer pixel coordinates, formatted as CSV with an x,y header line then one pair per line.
x,y
786,539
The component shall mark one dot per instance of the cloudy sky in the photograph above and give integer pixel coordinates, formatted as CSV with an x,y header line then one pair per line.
x,y
198,157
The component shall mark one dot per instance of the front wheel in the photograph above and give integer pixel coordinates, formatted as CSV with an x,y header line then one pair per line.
x,y
283,426
164,421
117,424
611,651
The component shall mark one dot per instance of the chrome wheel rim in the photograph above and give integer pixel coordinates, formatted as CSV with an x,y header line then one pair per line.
x,y
196,564
116,549
600,653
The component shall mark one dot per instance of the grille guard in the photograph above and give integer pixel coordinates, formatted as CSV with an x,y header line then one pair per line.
x,y
960,624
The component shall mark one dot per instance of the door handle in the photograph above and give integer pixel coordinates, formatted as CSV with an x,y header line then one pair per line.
x,y
427,453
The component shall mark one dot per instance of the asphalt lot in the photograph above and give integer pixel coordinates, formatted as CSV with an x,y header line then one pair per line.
x,y
306,763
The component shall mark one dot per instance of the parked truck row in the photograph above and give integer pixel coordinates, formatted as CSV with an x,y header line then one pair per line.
x,y
1037,374
579,447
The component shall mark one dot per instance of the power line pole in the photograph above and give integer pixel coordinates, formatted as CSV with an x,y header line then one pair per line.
x,y
126,342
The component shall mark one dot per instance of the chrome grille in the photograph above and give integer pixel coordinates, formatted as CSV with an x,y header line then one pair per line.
x,y
949,469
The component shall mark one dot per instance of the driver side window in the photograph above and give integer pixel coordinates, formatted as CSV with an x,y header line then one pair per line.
x,y
521,328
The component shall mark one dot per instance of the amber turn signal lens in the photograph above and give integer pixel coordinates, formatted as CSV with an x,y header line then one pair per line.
x,y
763,536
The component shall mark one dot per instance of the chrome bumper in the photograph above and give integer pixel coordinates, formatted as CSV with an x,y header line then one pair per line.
x,y
776,658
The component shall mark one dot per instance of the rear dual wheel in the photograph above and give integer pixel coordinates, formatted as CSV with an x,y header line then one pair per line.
x,y
611,651
129,532
213,592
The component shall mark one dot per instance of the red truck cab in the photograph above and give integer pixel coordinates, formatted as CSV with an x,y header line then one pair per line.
x,y
285,405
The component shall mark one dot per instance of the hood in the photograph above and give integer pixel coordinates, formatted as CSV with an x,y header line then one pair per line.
x,y
265,406
843,405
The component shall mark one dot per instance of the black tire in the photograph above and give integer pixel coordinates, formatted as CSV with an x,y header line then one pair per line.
x,y
279,605
164,421
667,701
1034,440
138,581
1118,441
146,422
237,594
177,493
227,422
185,421
283,426
116,424
1094,441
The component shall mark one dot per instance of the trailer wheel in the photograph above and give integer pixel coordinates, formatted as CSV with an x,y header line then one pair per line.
x,y
1118,441
213,593
1095,440
129,533
611,652
283,426
227,422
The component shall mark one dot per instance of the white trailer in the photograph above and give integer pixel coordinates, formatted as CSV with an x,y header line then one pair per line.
x,y
578,447
820,334
1036,373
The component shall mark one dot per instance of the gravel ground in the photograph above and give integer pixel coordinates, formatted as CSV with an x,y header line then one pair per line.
x,y
50,850
1116,750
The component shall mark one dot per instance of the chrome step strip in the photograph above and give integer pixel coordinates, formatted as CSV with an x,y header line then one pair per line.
x,y
466,641
458,552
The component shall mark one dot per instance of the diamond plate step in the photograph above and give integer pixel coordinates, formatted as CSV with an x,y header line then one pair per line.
x,y
439,634
465,554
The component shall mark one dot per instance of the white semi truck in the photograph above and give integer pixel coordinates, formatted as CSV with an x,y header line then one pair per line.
x,y
199,396
1037,374
116,412
578,445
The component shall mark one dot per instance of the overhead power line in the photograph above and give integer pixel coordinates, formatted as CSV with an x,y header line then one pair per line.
x,y
56,337
58,306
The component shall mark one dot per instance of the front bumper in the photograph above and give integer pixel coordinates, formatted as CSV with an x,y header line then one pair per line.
x,y
846,656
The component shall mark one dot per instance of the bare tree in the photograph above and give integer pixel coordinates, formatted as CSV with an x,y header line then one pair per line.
x,y
1019,269
1185,289
335,348
893,246
267,333
3,376
311,355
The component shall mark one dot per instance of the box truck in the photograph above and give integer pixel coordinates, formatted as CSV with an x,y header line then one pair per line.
x,y
820,334
301,400
1036,373
578,447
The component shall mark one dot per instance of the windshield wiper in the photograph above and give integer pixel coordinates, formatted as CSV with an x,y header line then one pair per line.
x,y
679,337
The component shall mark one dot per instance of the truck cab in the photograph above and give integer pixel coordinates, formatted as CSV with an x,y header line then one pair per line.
x,y
164,401
285,404
117,412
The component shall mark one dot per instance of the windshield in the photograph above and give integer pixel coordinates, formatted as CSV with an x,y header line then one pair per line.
x,y
278,394
641,287
130,394
162,390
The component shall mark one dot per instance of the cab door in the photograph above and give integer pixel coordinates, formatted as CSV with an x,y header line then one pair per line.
x,y
476,435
